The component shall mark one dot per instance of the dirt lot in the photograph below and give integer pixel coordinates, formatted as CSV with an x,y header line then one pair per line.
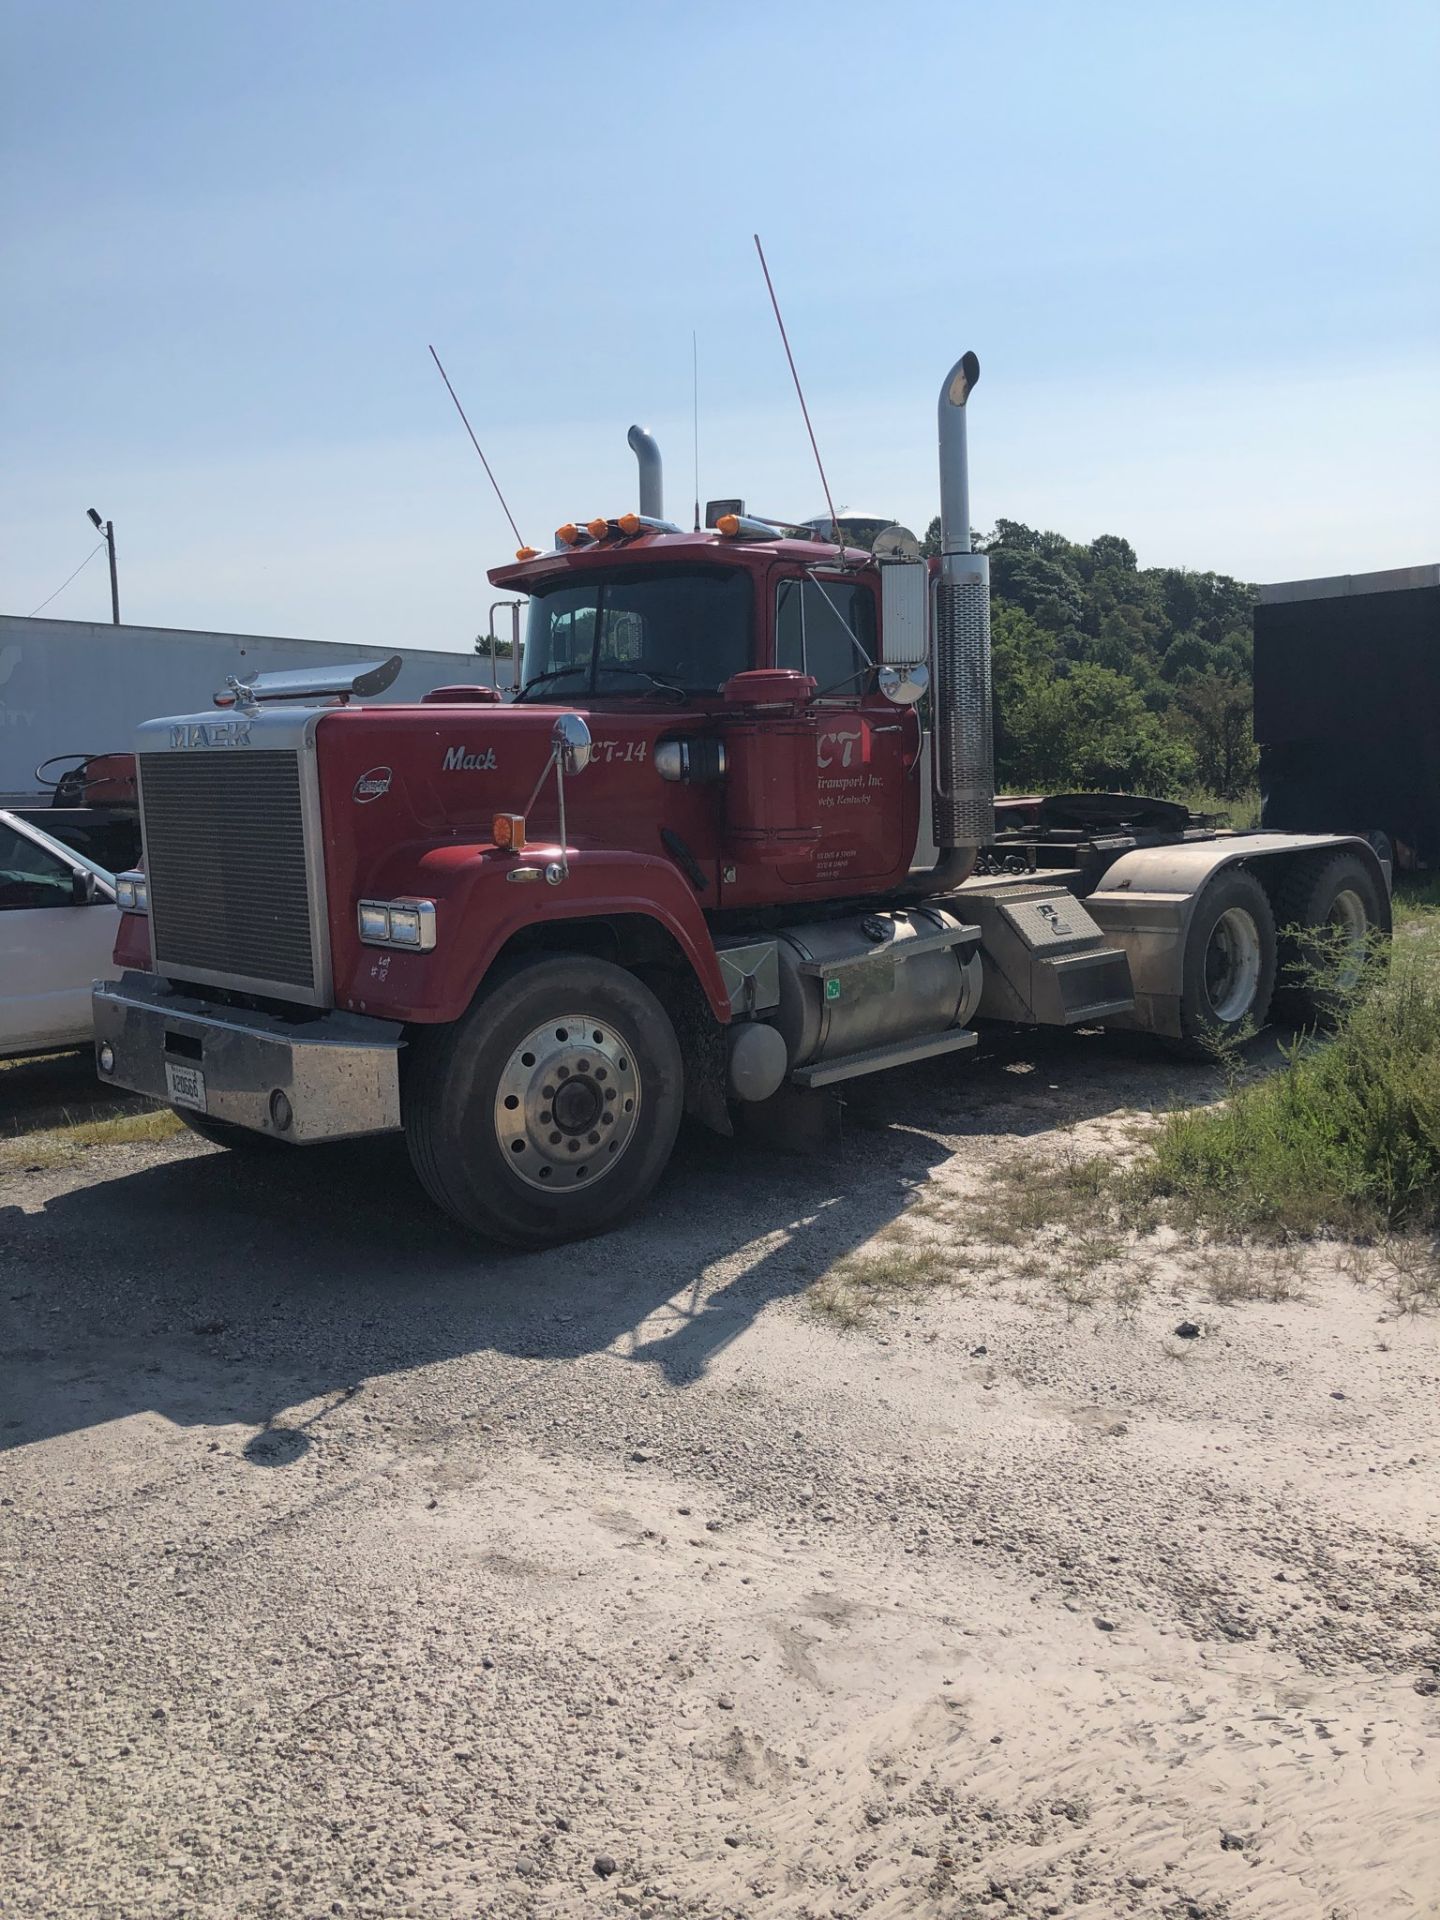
x,y
349,1570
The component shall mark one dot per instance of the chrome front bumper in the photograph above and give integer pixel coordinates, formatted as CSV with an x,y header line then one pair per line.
x,y
323,1076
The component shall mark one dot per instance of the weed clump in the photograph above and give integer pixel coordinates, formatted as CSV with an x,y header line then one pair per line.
x,y
1344,1138
59,1146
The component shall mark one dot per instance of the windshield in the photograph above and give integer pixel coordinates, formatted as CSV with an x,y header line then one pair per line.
x,y
687,628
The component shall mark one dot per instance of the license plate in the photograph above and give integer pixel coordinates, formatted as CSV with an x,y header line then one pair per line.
x,y
186,1085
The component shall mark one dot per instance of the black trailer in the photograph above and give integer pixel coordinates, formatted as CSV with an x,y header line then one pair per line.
x,y
1347,708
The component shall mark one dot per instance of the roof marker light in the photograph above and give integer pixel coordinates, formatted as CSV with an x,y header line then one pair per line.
x,y
527,553
739,526
597,529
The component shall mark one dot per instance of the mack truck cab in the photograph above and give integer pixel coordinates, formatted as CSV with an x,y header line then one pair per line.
x,y
730,843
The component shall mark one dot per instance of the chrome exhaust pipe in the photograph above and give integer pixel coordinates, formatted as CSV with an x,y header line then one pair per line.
x,y
964,739
652,478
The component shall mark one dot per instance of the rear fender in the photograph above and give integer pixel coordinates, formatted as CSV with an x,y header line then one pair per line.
x,y
480,910
1147,899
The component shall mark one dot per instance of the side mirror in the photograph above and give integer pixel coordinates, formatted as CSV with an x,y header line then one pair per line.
x,y
904,626
904,685
572,742
84,889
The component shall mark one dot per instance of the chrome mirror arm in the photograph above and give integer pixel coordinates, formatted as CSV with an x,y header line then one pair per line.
x,y
570,752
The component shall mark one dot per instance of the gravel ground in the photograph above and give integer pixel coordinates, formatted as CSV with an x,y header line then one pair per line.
x,y
349,1570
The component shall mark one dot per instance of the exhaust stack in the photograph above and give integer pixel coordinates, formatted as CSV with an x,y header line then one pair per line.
x,y
652,479
964,742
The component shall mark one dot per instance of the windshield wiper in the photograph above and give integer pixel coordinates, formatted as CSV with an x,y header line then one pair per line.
x,y
554,673
655,679
606,666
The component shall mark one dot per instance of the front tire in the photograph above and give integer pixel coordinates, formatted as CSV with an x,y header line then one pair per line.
x,y
549,1110
1229,966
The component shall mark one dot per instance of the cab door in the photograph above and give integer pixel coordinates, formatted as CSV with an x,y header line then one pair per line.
x,y
825,624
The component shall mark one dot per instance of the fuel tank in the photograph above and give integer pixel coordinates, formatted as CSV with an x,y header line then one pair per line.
x,y
874,980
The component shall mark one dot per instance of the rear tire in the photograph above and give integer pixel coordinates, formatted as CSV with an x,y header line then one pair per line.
x,y
549,1110
1229,967
1340,897
224,1133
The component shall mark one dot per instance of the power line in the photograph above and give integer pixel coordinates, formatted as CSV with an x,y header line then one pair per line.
x,y
65,583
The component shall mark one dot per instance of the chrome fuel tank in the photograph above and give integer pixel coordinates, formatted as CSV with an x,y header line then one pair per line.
x,y
874,980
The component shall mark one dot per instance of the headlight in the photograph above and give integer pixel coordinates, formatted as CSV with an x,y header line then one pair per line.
x,y
132,895
398,923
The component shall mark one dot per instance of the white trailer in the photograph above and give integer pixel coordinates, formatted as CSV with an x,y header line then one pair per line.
x,y
73,687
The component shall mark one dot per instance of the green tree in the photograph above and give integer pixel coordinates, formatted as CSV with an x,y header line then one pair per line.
x,y
1213,715
1090,728
1172,645
1109,550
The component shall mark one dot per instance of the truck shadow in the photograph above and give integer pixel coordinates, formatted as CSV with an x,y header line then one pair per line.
x,y
217,1288
56,1089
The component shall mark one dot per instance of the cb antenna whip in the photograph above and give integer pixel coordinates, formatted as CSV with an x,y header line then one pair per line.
x,y
476,444
800,396
695,415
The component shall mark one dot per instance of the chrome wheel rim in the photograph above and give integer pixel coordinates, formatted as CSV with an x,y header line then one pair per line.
x,y
1351,926
568,1102
1232,965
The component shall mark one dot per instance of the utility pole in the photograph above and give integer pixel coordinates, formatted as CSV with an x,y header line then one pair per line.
x,y
107,527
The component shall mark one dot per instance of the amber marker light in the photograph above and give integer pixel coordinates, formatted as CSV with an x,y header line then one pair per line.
x,y
567,535
508,830
527,553
728,523
597,529
629,524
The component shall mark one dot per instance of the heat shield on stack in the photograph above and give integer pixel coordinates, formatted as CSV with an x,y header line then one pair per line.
x,y
964,743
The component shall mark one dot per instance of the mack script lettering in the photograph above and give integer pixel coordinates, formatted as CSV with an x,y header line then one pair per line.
x,y
457,760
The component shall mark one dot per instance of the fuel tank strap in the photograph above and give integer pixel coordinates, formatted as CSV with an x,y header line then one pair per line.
x,y
905,950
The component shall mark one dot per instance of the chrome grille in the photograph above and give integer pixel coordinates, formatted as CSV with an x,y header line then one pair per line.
x,y
225,858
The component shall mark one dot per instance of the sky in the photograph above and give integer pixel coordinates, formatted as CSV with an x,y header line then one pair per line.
x,y
1196,248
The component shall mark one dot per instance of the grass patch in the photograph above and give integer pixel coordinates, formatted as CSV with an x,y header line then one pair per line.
x,y
1343,1139
1254,1273
1403,1267
1417,906
59,1146
896,1263
1079,1197
1241,812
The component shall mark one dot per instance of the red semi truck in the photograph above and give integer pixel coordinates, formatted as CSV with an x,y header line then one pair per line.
x,y
707,856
